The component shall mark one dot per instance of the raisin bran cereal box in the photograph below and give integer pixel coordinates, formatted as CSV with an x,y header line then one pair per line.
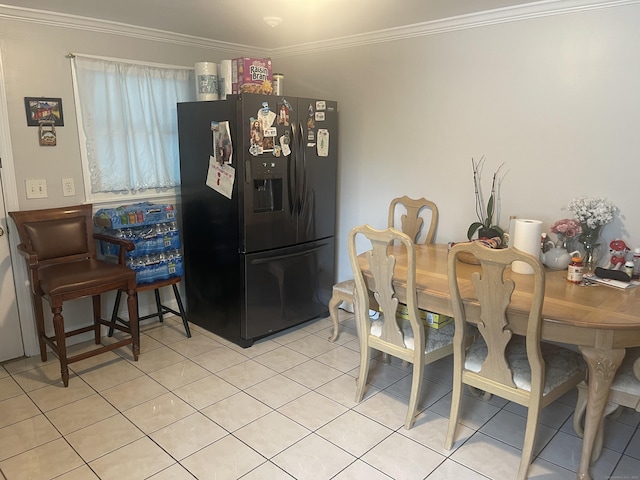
x,y
254,75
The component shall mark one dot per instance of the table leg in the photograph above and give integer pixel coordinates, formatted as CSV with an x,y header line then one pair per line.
x,y
602,364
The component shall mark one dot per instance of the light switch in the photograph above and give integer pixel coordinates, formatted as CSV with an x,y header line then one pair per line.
x,y
36,188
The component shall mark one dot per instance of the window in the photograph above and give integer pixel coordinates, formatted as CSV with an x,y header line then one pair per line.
x,y
128,125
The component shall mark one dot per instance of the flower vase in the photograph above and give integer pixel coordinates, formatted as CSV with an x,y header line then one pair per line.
x,y
590,246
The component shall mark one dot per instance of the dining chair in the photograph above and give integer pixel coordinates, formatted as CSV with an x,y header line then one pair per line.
x,y
406,339
519,368
625,392
59,247
411,223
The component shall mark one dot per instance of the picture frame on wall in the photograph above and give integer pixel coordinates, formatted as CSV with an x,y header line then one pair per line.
x,y
43,109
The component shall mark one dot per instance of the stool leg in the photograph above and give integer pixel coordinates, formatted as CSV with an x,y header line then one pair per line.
x,y
114,315
181,309
58,327
334,303
96,318
132,306
39,314
156,292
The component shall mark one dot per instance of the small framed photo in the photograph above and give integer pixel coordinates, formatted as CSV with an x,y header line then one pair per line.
x,y
43,109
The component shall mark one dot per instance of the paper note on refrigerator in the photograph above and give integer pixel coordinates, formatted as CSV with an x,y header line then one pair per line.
x,y
323,142
221,177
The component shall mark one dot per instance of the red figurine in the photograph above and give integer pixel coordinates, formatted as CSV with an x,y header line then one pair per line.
x,y
618,250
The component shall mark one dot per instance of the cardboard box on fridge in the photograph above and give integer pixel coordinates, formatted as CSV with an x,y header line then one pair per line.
x,y
251,75
429,319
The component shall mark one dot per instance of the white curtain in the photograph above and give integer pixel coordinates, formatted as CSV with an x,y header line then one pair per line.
x,y
128,122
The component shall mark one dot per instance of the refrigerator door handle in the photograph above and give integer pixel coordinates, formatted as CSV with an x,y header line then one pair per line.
x,y
301,180
291,180
260,261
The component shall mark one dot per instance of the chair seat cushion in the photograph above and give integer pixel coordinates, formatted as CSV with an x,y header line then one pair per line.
x,y
435,337
625,379
64,279
560,363
346,287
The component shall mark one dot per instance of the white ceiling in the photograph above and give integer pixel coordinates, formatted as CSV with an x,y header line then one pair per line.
x,y
241,21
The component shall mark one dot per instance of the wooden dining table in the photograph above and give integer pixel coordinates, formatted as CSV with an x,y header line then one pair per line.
x,y
602,321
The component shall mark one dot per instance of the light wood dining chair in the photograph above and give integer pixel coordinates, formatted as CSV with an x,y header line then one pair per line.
x,y
625,392
407,340
519,368
411,223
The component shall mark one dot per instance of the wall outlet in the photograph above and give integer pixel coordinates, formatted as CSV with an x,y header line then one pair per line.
x,y
36,188
68,187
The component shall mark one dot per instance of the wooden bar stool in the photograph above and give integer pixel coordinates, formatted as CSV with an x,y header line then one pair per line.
x,y
161,309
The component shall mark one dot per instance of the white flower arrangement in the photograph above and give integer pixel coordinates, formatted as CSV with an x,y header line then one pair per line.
x,y
592,212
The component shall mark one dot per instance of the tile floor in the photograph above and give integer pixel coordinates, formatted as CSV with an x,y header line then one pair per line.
x,y
204,408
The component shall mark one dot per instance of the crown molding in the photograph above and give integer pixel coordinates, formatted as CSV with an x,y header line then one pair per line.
x,y
63,20
528,11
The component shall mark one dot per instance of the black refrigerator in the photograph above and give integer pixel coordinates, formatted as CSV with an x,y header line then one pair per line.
x,y
259,257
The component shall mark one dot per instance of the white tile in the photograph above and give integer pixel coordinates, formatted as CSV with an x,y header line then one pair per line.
x,y
385,408
510,428
633,449
246,374
159,412
340,358
174,472
281,359
105,376
276,391
80,414
617,435
179,374
565,450
627,467
25,435
54,396
206,391
258,348
16,409
134,392
312,410
290,335
359,470
188,435
81,473
489,457
219,359
267,471
430,429
402,458
137,460
473,412
554,415
41,463
431,391
343,390
156,359
40,376
313,458
271,434
312,373
28,363
9,388
168,334
311,345
194,346
354,433
236,411
103,437
450,469
228,458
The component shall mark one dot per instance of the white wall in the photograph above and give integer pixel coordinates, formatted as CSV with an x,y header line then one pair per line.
x,y
554,98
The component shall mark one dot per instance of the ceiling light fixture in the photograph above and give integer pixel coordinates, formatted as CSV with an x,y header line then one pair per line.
x,y
272,21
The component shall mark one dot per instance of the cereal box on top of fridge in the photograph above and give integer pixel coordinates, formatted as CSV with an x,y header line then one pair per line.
x,y
254,75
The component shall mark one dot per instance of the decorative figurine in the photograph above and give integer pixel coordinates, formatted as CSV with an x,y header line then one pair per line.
x,y
618,250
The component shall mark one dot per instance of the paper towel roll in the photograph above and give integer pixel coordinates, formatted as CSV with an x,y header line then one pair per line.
x,y
206,81
526,238
224,78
